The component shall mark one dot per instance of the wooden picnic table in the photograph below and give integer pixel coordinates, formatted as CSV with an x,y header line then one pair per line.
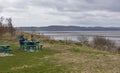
x,y
5,48
35,45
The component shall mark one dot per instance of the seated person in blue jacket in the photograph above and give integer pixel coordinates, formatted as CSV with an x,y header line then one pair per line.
x,y
21,41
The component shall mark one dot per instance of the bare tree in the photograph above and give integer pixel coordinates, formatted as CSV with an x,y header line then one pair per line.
x,y
10,26
7,27
1,28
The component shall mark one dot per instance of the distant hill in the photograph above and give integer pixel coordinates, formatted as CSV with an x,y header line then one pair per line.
x,y
67,28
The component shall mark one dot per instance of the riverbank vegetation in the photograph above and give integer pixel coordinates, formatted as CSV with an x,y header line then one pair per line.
x,y
100,43
57,57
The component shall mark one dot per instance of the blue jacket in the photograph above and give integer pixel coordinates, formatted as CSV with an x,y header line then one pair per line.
x,y
21,39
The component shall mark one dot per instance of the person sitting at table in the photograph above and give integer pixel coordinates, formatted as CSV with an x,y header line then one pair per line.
x,y
31,43
32,38
21,41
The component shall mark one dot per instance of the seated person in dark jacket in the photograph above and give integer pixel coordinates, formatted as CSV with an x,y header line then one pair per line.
x,y
21,41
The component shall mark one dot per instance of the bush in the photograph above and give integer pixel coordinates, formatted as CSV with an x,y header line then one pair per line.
x,y
83,40
102,43
118,50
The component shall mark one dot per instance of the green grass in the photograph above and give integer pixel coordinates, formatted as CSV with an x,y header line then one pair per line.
x,y
21,59
60,58
71,59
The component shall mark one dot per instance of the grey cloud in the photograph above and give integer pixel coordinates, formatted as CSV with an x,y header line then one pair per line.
x,y
71,5
73,10
23,4
1,9
19,6
110,5
79,5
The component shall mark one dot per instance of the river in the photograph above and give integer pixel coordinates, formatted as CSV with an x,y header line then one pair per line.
x,y
74,35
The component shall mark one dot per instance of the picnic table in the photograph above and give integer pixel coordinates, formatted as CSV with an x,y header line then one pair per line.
x,y
5,48
35,45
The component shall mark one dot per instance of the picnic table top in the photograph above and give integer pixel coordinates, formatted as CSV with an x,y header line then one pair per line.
x,y
31,42
5,45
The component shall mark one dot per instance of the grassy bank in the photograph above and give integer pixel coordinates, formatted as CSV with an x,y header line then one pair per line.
x,y
59,57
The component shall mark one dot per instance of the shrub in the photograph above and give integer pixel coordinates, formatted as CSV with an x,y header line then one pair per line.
x,y
102,43
118,50
83,40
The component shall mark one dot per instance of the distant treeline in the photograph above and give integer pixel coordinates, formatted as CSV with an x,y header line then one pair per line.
x,y
67,28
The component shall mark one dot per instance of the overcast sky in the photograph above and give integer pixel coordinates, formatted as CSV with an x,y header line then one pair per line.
x,y
62,12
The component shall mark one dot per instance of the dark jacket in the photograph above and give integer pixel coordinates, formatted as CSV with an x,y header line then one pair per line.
x,y
21,40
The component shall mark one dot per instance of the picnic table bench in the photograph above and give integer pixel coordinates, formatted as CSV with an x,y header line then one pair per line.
x,y
35,45
5,48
